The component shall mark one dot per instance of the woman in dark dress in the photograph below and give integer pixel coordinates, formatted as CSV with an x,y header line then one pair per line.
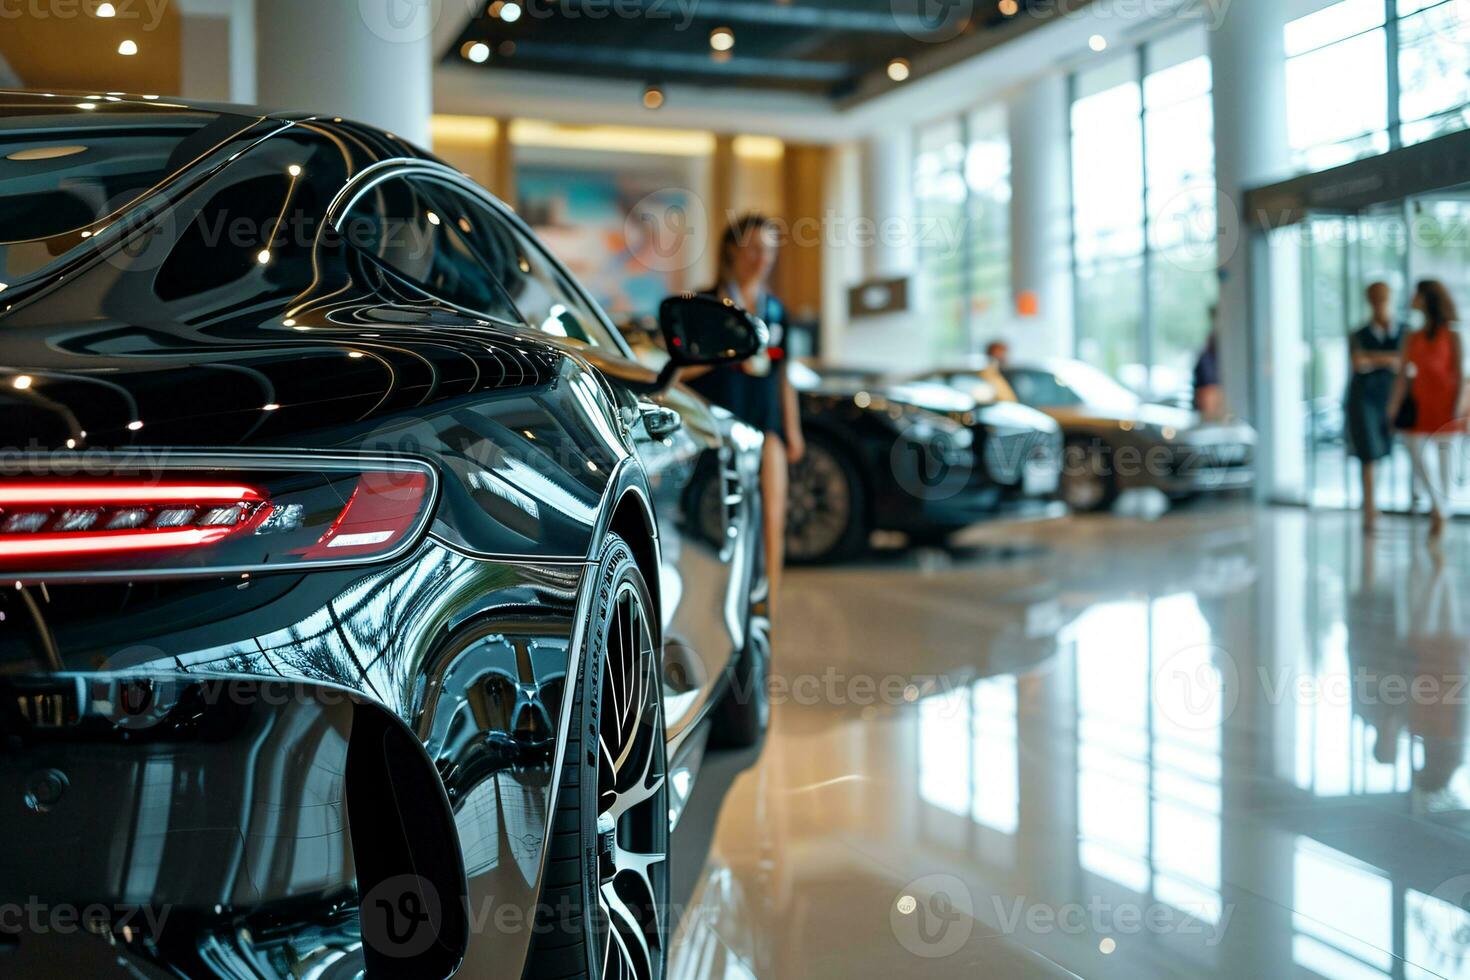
x,y
1375,354
757,390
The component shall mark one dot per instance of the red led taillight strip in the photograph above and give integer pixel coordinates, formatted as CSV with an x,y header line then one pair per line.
x,y
145,502
124,494
106,542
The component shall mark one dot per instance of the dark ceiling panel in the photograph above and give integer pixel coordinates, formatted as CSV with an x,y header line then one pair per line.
x,y
815,46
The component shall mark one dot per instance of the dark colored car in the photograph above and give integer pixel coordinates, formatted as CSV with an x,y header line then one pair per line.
x,y
914,457
361,617
1115,440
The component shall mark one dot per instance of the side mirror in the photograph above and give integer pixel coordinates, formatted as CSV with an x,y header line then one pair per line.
x,y
702,330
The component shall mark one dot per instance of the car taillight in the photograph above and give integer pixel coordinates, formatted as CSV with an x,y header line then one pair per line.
x,y
209,515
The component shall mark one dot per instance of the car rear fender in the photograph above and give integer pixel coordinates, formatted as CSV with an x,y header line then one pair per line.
x,y
264,817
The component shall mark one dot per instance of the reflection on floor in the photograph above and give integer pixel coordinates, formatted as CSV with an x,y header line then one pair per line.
x,y
1228,743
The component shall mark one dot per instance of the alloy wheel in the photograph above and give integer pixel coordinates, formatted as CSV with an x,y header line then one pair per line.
x,y
632,800
1084,485
820,505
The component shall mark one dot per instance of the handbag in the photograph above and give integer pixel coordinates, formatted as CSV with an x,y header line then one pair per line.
x,y
1408,413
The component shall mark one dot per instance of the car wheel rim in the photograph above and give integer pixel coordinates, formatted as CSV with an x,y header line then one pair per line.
x,y
632,800
1082,485
820,505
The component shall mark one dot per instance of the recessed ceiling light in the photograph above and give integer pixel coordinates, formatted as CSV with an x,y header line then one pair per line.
x,y
128,47
86,105
22,382
476,51
898,69
135,425
510,12
1097,42
653,97
1009,8
263,256
106,10
270,408
722,39
433,218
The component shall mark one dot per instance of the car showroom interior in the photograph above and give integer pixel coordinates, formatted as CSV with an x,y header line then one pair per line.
x,y
734,489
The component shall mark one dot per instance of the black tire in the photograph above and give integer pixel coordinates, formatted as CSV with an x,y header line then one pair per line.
x,y
1088,482
589,835
826,512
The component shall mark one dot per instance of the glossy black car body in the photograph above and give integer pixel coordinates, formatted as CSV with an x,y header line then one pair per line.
x,y
911,457
237,770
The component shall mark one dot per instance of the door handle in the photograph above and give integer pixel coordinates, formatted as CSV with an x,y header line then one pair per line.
x,y
660,422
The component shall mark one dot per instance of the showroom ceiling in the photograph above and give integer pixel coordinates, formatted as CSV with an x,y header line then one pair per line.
x,y
823,47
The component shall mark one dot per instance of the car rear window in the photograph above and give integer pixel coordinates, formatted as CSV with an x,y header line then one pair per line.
x,y
65,170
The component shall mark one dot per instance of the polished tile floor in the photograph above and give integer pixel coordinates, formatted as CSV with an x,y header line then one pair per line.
x,y
1226,743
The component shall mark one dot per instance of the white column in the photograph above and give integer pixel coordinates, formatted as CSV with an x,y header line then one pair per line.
x,y
888,203
217,50
1248,56
885,233
1041,226
369,61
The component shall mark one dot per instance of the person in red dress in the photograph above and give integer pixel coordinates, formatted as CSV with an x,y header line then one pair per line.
x,y
1426,402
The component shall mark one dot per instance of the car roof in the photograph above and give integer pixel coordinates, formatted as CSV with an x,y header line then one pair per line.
x,y
105,103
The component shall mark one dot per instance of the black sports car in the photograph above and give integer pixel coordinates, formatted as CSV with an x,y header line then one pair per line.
x,y
359,614
908,456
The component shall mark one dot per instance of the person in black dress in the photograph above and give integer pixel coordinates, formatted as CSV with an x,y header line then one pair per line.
x,y
1375,356
757,390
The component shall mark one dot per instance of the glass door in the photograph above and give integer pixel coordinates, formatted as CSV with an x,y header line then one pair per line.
x,y
1439,248
1319,272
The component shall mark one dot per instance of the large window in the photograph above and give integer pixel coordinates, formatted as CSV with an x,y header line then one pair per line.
x,y
1345,62
1144,213
962,191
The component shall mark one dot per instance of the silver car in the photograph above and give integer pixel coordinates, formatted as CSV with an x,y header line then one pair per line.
x,y
1115,439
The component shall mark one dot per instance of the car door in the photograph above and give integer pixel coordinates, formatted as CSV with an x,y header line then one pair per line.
x,y
698,503
678,438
